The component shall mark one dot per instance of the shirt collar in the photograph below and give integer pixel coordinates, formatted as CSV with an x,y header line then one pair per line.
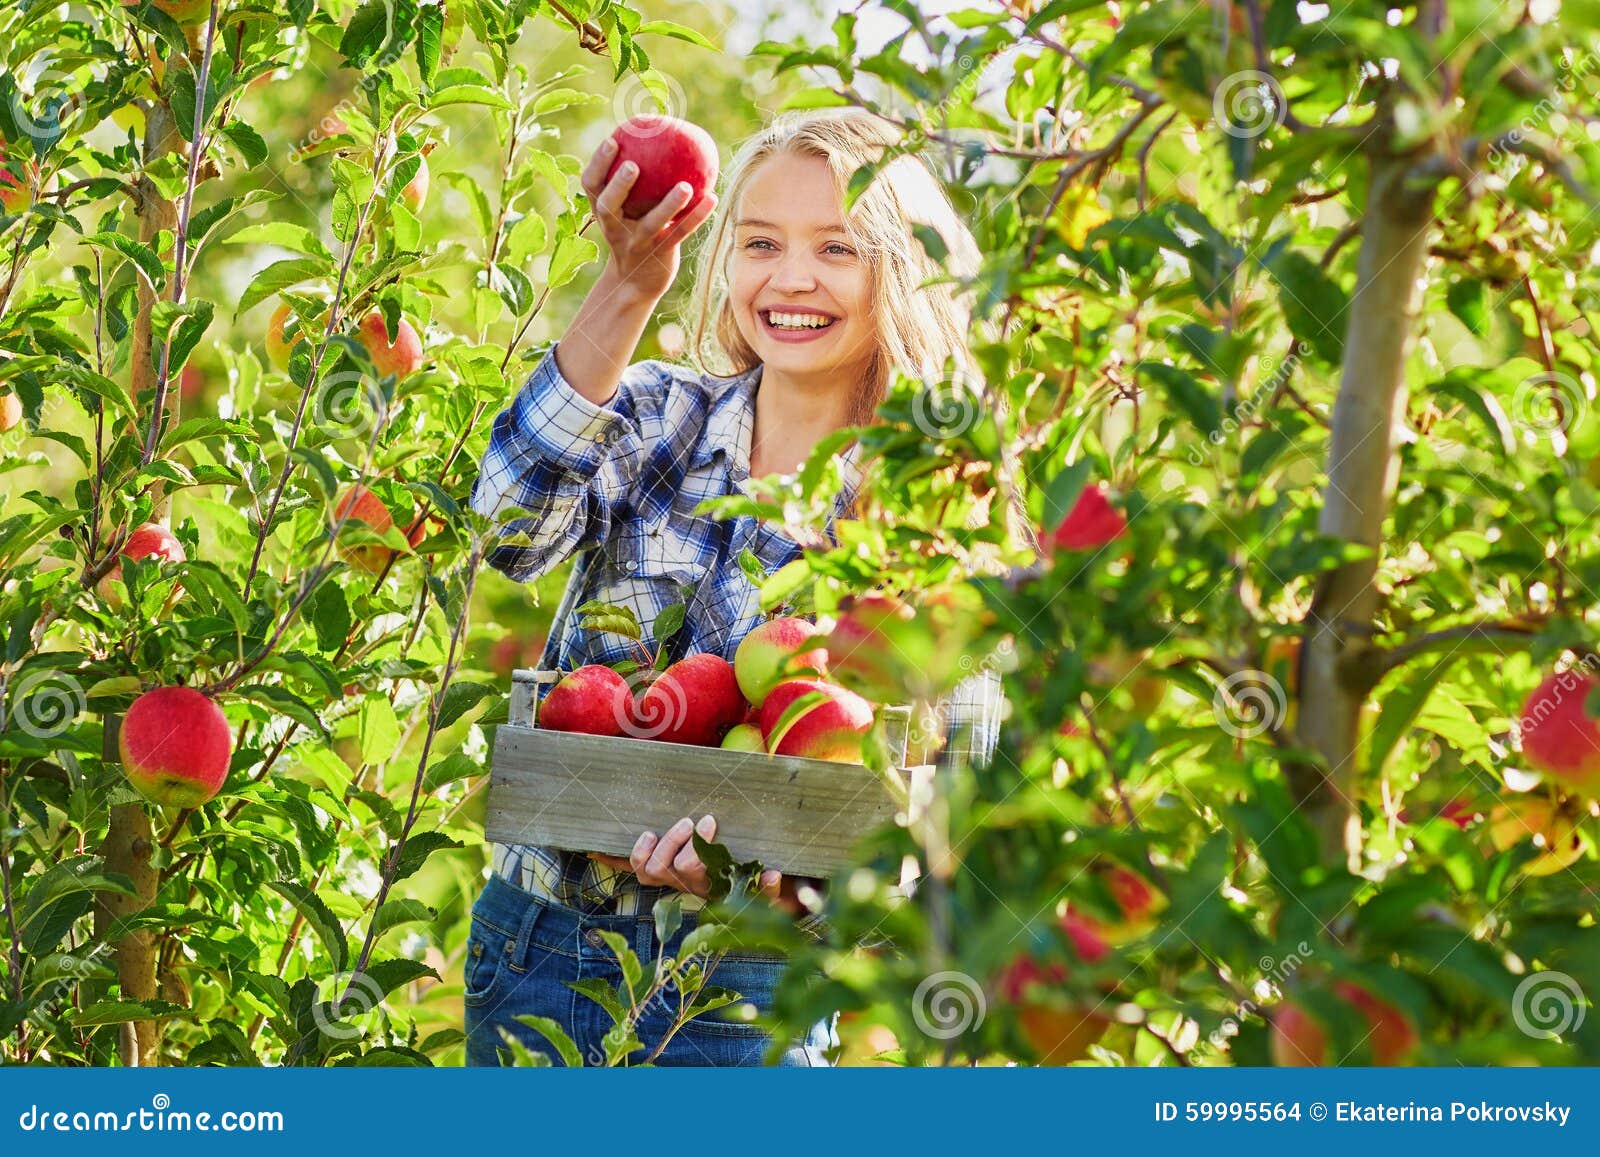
x,y
730,423
730,430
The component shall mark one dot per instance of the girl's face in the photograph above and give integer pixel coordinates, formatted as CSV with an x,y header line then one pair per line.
x,y
800,290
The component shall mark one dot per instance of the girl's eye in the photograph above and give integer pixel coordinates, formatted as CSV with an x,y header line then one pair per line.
x,y
839,249
758,243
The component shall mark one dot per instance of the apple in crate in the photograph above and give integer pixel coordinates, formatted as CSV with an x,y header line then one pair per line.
x,y
831,728
593,700
759,661
744,737
694,701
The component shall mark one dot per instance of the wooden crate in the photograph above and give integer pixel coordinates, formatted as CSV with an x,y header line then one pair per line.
x,y
593,793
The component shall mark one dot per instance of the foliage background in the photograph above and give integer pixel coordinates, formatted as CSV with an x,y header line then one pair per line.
x,y
1191,292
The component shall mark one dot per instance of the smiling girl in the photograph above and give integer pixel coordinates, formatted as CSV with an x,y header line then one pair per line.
x,y
804,314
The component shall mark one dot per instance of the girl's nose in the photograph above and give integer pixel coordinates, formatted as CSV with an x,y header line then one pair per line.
x,y
794,275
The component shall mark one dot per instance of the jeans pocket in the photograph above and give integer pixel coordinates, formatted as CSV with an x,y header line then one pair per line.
x,y
753,979
487,947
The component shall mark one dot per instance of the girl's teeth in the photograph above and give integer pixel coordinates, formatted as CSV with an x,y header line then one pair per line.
x,y
798,320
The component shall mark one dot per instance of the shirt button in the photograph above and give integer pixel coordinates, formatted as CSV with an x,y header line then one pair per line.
x,y
594,938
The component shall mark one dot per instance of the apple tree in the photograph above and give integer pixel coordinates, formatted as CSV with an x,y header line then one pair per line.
x,y
1285,329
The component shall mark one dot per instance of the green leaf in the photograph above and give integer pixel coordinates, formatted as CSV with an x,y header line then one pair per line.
x,y
283,234
140,254
459,698
252,147
668,622
792,714
419,846
613,620
284,702
469,94
571,254
378,730
123,1011
676,31
1466,298
1314,306
559,1040
602,994
1400,709
449,769
329,613
279,275
1186,393
318,917
430,38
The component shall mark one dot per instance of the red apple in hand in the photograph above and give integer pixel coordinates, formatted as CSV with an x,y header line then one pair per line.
x,y
693,701
593,700
402,357
1559,736
760,658
667,151
175,746
830,729
10,412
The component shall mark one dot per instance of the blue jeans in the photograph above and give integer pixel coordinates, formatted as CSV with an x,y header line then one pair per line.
x,y
523,950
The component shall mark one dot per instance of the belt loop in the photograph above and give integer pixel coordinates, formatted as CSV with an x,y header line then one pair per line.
x,y
644,936
530,920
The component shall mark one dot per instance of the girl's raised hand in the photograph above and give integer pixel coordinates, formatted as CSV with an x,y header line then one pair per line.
x,y
644,252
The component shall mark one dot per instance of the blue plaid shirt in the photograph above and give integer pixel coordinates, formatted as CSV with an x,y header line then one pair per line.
x,y
618,484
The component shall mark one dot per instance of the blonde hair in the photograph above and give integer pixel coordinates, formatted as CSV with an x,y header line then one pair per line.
x,y
920,327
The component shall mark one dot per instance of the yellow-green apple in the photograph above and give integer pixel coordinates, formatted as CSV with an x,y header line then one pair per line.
x,y
668,151
279,346
693,701
763,654
743,737
402,357
1560,736
831,728
593,700
16,183
361,505
10,412
415,191
175,746
1092,523
1299,1040
148,540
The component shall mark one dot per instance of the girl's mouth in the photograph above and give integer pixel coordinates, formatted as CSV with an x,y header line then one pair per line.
x,y
795,324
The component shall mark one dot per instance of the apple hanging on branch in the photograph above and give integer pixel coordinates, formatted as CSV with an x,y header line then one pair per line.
x,y
175,745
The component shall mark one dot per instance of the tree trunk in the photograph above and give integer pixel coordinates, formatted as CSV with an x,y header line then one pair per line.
x,y
129,840
1362,470
127,849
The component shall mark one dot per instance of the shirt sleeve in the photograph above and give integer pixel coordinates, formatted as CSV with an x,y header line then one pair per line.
x,y
567,462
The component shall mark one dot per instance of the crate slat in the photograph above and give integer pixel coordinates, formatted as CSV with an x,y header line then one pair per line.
x,y
594,793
